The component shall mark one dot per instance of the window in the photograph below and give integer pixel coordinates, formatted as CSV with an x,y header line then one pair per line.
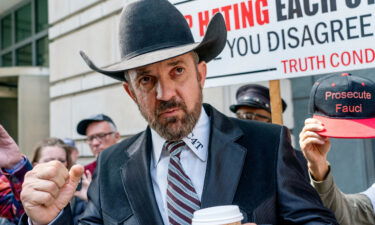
x,y
23,56
41,15
24,34
6,32
7,59
23,23
42,52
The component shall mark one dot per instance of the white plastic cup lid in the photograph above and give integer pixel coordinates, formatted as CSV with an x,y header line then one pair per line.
x,y
217,215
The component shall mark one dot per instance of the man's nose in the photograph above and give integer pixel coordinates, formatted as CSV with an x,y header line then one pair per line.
x,y
95,142
165,90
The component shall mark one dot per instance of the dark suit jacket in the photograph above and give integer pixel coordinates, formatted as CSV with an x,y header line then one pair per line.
x,y
250,164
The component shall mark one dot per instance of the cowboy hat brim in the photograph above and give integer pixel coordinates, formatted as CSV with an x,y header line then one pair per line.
x,y
210,47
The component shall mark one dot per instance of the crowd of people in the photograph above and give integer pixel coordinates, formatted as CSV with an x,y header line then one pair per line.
x,y
100,132
190,156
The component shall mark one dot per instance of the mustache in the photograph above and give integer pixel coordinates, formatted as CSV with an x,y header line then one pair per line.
x,y
165,105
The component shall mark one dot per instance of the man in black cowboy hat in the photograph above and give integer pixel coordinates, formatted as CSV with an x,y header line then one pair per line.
x,y
190,156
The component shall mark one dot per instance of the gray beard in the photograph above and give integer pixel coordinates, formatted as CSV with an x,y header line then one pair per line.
x,y
166,128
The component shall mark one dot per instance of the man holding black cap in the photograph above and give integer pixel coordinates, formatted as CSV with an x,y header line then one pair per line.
x,y
190,156
342,107
100,132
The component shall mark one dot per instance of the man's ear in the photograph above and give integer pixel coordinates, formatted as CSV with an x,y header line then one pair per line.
x,y
202,72
117,135
129,90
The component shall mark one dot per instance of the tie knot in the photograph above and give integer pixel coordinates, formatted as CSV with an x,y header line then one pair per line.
x,y
174,147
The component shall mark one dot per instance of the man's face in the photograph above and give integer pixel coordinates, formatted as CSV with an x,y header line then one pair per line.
x,y
100,135
250,113
169,94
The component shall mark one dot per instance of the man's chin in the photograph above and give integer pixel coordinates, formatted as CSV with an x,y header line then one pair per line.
x,y
172,127
175,128
172,131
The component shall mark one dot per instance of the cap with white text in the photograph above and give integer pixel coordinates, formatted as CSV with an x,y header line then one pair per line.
x,y
345,104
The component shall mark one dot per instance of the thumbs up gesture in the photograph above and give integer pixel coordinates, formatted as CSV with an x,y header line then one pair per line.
x,y
47,189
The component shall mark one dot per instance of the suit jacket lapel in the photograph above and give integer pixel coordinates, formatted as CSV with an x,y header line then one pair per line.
x,y
137,181
225,161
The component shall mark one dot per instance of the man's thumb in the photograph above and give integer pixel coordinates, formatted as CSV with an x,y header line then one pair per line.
x,y
75,174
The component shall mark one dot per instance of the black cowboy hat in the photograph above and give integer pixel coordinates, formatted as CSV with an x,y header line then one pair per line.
x,y
154,30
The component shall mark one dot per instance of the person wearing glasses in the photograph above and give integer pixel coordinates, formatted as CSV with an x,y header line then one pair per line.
x,y
253,103
100,132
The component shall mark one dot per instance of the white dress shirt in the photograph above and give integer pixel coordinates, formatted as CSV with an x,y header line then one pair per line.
x,y
370,193
193,159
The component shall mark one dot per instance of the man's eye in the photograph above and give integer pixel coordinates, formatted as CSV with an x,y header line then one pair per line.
x,y
145,80
179,70
101,135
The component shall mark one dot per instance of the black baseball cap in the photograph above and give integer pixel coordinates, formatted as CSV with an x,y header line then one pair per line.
x,y
255,96
345,104
83,124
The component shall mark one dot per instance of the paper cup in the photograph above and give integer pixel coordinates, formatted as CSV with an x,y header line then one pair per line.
x,y
218,215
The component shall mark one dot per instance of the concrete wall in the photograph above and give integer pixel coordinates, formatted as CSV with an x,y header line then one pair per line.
x,y
33,113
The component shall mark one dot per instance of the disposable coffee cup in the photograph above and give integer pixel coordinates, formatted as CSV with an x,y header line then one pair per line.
x,y
218,215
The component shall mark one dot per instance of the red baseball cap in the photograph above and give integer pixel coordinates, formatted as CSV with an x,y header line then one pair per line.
x,y
345,105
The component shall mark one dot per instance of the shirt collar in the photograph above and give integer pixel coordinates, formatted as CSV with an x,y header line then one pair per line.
x,y
197,140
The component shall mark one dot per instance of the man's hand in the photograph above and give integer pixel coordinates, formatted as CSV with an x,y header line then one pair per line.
x,y
10,154
315,148
47,189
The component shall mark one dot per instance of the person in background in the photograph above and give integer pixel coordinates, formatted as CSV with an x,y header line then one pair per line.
x,y
14,166
101,133
74,153
329,121
253,103
349,209
51,149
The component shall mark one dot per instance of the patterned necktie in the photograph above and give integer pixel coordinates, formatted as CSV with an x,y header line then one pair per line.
x,y
182,199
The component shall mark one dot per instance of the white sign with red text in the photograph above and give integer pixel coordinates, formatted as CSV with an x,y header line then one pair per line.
x,y
280,39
